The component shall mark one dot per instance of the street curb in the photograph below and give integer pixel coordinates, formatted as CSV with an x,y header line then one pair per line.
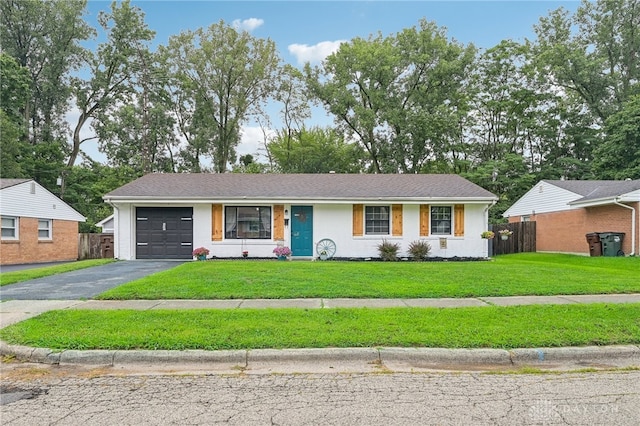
x,y
592,354
419,357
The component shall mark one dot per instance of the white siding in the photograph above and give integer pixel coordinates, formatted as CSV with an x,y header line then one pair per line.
x,y
542,198
333,221
30,199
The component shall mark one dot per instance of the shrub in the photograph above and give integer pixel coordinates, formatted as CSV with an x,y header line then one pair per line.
x,y
419,250
388,251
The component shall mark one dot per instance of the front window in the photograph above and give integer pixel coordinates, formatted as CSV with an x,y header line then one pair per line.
x,y
44,229
377,220
9,228
248,223
441,220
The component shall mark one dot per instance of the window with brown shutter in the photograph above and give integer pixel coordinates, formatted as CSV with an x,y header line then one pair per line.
x,y
278,222
358,215
458,220
216,222
396,226
424,220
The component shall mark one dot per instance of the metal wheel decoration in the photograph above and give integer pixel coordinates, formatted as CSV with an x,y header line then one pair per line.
x,y
326,248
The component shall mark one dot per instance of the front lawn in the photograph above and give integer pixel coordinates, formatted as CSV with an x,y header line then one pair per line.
x,y
520,274
485,327
45,271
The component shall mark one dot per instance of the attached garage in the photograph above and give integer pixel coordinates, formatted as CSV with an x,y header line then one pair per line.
x,y
164,232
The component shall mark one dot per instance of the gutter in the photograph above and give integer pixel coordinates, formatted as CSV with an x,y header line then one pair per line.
x,y
116,230
633,224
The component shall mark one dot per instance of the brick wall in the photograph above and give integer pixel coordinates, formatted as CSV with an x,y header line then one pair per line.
x,y
565,231
28,249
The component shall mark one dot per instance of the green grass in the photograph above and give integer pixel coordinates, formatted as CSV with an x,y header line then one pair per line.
x,y
521,274
485,327
30,274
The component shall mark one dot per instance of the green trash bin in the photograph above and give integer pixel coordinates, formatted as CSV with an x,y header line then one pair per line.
x,y
612,243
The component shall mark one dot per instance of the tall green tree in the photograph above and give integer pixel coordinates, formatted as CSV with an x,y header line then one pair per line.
x,y
141,134
111,67
618,156
593,54
14,94
316,150
44,37
225,77
400,96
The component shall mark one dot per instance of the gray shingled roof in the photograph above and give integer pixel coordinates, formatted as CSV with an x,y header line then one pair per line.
x,y
300,186
597,189
6,183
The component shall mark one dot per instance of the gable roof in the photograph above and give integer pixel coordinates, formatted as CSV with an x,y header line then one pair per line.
x,y
6,183
558,195
27,198
300,186
594,189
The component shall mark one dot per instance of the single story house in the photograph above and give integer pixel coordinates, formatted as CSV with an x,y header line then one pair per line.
x,y
166,216
565,211
37,226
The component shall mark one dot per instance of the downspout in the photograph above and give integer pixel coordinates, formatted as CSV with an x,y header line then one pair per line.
x,y
486,217
633,224
116,245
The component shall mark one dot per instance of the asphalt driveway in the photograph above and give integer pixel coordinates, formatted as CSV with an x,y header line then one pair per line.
x,y
84,283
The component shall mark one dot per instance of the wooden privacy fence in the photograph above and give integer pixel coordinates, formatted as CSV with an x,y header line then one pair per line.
x,y
522,240
95,246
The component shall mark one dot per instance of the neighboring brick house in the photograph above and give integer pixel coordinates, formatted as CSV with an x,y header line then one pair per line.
x,y
37,226
164,216
565,211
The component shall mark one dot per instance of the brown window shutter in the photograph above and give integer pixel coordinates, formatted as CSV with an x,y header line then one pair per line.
x,y
278,222
458,218
358,217
424,220
216,222
396,225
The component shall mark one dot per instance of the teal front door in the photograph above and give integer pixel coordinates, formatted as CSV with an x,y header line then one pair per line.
x,y
302,230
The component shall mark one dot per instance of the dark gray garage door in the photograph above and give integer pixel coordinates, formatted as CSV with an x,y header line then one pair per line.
x,y
164,232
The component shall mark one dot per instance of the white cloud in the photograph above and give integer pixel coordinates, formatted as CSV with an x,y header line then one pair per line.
x,y
247,24
252,141
316,53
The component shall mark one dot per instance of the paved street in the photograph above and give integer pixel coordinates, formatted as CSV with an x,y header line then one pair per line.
x,y
90,398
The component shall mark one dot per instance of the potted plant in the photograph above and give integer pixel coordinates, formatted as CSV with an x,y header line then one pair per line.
x,y
245,253
504,233
488,235
201,253
282,252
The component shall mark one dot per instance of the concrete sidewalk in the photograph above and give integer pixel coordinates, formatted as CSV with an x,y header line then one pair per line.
x,y
13,311
324,359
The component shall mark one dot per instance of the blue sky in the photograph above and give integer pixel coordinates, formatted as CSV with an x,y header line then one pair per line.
x,y
310,30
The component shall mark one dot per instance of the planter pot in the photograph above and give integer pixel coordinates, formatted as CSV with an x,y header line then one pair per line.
x,y
282,257
504,237
323,257
202,257
245,255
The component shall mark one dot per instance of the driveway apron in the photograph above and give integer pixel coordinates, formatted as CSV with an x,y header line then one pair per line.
x,y
84,283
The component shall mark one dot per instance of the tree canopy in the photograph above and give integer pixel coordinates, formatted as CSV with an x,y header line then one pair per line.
x,y
562,105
